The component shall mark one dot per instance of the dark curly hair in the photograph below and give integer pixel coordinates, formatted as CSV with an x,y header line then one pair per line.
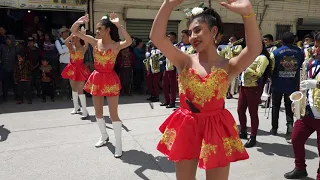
x,y
210,17
114,34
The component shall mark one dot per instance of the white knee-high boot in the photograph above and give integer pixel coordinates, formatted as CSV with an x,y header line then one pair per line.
x,y
83,102
117,127
75,103
104,135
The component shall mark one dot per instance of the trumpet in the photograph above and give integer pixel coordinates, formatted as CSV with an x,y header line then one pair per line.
x,y
299,98
275,43
237,42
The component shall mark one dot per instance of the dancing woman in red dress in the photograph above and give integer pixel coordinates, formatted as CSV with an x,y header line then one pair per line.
x,y
104,81
201,131
77,73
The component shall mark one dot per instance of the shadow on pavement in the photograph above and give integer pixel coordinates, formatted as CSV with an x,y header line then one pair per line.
x,y
312,142
272,149
144,160
4,133
37,104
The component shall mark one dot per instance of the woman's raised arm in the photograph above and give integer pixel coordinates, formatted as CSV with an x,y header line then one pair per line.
x,y
252,34
127,38
75,30
158,35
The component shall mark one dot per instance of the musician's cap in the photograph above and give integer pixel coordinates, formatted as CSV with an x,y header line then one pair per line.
x,y
288,38
308,36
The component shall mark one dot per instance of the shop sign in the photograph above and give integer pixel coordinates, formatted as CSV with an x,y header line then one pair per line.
x,y
54,4
9,3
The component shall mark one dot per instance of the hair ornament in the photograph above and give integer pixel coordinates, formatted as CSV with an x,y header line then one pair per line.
x,y
194,11
105,17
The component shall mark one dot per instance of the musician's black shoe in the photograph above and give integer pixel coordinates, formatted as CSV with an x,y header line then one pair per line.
x,y
251,142
150,98
289,132
274,131
164,104
155,99
296,174
171,106
243,135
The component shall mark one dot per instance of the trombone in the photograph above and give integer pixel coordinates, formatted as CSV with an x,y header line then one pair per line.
x,y
275,43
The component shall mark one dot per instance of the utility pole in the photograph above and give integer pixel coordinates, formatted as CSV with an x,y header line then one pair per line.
x,y
209,3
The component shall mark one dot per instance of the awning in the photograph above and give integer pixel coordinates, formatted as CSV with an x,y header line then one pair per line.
x,y
310,23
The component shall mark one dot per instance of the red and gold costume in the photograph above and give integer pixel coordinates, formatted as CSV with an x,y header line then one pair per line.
x,y
210,135
76,69
103,81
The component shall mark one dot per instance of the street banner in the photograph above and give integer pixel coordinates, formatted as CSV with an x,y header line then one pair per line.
x,y
9,3
54,4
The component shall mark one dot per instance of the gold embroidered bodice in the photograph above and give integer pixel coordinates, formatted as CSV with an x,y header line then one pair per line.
x,y
206,93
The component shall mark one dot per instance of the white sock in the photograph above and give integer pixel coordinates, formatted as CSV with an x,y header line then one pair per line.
x,y
75,100
83,102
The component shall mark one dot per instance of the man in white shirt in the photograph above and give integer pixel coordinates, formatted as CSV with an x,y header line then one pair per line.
x,y
64,58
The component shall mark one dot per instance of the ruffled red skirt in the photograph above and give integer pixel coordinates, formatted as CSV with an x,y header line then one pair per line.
x,y
103,84
75,72
210,137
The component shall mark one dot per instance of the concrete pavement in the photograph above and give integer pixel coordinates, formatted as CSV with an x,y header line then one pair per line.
x,y
43,141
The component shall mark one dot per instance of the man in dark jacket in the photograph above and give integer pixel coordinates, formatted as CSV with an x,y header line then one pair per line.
x,y
8,57
285,80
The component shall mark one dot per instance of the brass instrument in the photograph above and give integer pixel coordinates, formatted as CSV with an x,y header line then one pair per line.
x,y
147,61
155,62
299,98
238,42
152,58
274,43
191,50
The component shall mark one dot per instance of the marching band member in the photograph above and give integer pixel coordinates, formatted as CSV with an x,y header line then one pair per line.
x,y
169,79
252,81
230,51
310,123
153,74
285,80
268,40
308,46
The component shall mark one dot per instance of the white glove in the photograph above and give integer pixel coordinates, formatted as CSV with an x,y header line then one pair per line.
x,y
148,54
308,84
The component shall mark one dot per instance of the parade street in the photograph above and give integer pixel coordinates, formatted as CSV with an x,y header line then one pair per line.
x,y
43,141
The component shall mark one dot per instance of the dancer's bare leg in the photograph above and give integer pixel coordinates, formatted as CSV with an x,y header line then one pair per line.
x,y
221,173
186,169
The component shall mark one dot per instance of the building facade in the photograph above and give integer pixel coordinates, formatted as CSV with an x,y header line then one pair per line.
x,y
274,17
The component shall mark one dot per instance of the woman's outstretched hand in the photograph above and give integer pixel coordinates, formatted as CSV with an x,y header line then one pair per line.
x,y
83,19
114,19
242,7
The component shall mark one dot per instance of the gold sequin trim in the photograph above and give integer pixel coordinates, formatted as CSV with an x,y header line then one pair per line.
x,y
76,56
110,89
169,137
316,96
70,73
104,57
92,87
207,150
203,90
232,144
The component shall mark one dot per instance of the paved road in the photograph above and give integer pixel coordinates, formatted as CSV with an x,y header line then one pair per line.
x,y
43,141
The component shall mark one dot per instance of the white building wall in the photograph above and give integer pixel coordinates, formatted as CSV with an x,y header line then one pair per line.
x,y
278,12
